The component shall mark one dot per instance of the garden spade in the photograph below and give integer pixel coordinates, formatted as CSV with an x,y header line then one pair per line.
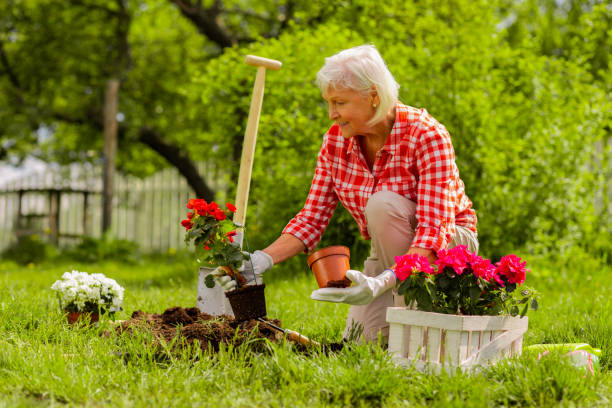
x,y
213,300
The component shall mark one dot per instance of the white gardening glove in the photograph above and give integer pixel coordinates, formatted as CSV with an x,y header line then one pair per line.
x,y
257,263
365,290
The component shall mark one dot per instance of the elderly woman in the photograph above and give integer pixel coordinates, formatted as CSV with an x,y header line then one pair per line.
x,y
393,168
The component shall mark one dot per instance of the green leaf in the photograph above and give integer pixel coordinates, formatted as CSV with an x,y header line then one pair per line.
x,y
424,301
524,310
474,294
209,281
444,281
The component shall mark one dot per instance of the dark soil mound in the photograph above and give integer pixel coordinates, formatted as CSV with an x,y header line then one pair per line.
x,y
180,327
190,325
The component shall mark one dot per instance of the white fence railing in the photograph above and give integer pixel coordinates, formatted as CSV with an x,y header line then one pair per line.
x,y
146,211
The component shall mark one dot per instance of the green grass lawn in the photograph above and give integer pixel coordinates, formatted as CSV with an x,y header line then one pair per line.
x,y
43,361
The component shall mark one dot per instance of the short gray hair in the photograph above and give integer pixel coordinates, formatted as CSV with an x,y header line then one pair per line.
x,y
360,68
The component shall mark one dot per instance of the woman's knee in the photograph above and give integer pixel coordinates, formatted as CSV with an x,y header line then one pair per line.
x,y
387,204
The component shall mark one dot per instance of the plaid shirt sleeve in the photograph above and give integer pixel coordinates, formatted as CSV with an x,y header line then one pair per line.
x,y
435,160
310,223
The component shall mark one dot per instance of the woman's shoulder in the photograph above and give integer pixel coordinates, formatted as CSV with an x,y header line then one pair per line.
x,y
418,118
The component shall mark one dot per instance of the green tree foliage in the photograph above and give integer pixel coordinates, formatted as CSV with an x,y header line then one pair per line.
x,y
523,87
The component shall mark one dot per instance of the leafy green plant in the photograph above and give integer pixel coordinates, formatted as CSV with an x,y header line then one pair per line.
x,y
30,249
91,249
464,283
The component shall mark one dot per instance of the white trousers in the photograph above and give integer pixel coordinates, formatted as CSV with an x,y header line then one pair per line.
x,y
391,222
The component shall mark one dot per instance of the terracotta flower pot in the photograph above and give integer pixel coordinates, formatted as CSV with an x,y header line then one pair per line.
x,y
248,302
329,266
83,317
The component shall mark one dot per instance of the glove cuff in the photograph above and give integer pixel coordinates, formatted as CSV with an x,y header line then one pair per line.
x,y
392,271
388,278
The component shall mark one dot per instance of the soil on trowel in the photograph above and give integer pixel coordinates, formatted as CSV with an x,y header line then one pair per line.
x,y
191,326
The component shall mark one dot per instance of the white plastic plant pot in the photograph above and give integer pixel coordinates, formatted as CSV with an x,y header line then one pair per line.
x,y
435,342
212,300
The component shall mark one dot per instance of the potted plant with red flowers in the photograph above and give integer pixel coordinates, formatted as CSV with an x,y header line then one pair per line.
x,y
468,311
211,230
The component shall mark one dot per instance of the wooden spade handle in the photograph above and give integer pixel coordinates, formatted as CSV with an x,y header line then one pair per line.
x,y
250,136
298,338
263,62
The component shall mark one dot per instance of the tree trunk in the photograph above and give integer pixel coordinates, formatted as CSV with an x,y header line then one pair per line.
x,y
178,159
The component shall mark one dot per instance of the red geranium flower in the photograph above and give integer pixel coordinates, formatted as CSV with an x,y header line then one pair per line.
x,y
212,208
231,207
219,215
512,268
230,236
187,224
456,258
483,268
410,264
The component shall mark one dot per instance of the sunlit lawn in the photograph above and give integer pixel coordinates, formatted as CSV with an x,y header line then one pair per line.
x,y
44,361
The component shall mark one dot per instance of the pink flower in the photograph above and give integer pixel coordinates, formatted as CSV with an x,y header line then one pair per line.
x,y
482,268
456,258
409,264
512,268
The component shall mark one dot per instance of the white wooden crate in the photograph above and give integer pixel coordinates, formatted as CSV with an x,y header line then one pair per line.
x,y
432,341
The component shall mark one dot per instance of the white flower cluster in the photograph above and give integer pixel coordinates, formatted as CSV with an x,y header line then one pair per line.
x,y
80,291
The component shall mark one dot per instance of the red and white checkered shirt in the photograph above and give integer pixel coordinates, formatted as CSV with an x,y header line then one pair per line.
x,y
417,162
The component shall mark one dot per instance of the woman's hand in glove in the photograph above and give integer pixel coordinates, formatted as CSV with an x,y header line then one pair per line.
x,y
365,290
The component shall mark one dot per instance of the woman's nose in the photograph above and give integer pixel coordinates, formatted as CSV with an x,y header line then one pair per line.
x,y
333,114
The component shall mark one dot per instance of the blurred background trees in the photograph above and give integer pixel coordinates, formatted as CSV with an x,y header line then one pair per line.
x,y
522,86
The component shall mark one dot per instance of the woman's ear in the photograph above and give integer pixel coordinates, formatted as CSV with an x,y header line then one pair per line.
x,y
375,99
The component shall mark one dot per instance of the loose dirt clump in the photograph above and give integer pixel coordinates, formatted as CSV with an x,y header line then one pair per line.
x,y
178,326
342,283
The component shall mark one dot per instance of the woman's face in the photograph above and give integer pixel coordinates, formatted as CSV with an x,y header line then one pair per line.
x,y
351,110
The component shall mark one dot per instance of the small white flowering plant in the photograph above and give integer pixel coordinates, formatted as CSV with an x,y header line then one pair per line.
x,y
89,293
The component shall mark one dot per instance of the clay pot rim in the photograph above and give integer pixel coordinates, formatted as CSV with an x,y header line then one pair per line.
x,y
330,250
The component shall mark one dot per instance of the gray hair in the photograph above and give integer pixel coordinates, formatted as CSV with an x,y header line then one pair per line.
x,y
361,68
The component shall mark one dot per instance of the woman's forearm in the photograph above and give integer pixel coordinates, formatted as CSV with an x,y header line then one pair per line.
x,y
285,247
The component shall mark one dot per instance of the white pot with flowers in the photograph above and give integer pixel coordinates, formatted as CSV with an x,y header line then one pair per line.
x,y
86,296
469,312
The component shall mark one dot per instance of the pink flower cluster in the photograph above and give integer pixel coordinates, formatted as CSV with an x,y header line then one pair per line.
x,y
461,261
407,265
